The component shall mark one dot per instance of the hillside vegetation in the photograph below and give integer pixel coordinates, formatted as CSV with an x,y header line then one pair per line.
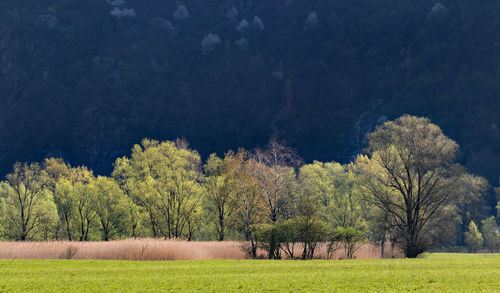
x,y
86,79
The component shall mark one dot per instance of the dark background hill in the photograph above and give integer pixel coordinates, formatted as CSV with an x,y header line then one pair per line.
x,y
86,79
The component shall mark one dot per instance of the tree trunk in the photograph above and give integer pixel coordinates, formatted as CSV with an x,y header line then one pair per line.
x,y
382,246
304,252
412,250
254,248
68,229
221,227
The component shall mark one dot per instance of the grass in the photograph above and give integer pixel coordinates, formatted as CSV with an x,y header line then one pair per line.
x,y
435,273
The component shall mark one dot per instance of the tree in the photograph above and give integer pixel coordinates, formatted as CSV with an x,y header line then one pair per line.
x,y
309,213
85,210
28,204
219,194
346,207
380,229
497,192
491,234
273,170
351,238
72,197
60,184
136,218
2,218
65,200
288,235
473,238
109,205
410,174
321,180
129,174
274,173
164,179
471,195
249,206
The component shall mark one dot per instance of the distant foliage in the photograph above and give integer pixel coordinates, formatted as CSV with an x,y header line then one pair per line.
x,y
163,24
181,13
209,43
312,20
115,3
257,24
232,14
491,234
242,43
123,12
242,26
47,20
438,9
365,59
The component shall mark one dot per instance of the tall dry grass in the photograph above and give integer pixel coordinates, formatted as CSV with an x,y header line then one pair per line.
x,y
150,249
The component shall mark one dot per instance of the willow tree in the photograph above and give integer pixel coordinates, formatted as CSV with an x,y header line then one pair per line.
x,y
73,197
163,178
219,193
109,205
29,209
411,175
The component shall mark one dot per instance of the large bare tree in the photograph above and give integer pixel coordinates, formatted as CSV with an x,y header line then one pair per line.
x,y
410,174
274,171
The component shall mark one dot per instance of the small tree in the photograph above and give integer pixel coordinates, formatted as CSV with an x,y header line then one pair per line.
x,y
334,244
279,237
289,236
352,239
310,231
267,238
473,238
491,234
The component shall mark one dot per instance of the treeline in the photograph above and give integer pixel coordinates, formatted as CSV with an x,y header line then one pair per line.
x,y
405,190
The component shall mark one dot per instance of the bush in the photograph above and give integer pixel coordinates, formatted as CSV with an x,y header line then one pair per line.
x,y
275,238
310,231
351,237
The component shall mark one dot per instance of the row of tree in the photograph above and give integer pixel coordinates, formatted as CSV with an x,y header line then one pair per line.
x,y
406,189
488,236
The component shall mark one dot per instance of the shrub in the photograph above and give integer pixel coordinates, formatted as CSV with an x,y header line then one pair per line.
x,y
351,237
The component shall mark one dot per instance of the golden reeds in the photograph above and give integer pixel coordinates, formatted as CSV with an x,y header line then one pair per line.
x,y
149,249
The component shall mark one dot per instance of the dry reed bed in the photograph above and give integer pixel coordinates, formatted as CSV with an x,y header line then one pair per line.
x,y
150,249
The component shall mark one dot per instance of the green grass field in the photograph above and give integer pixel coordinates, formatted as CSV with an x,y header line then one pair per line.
x,y
435,273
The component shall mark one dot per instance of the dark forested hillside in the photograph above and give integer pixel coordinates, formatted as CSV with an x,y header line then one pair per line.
x,y
86,79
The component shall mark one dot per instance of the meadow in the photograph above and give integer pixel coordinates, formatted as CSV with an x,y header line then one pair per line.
x,y
432,273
